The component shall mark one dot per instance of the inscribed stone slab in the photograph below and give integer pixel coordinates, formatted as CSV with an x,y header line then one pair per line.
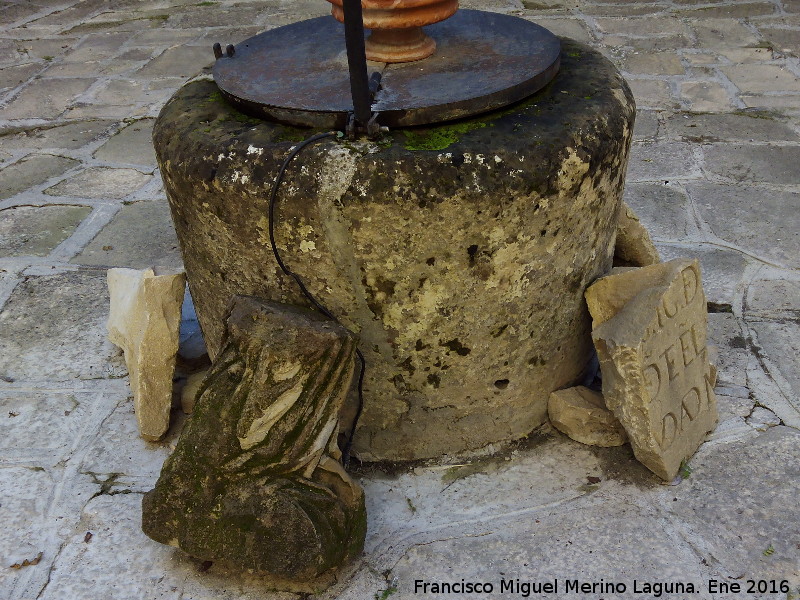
x,y
650,335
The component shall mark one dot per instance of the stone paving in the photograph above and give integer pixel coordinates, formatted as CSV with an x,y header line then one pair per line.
x,y
713,174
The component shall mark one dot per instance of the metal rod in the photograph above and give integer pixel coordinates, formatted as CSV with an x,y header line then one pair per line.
x,y
357,60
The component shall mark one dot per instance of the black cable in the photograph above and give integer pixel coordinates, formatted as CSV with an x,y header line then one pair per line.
x,y
272,201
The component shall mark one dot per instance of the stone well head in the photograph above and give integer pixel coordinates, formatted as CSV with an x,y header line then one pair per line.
x,y
457,245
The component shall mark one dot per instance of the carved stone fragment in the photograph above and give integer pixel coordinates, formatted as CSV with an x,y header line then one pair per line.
x,y
254,480
144,321
634,247
581,414
650,335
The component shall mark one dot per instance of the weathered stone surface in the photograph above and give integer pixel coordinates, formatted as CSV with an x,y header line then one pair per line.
x,y
507,232
144,321
650,335
37,230
30,171
736,506
254,480
119,244
753,164
662,162
189,391
725,332
705,96
45,98
133,144
634,247
68,136
662,209
740,126
101,182
53,329
581,414
762,222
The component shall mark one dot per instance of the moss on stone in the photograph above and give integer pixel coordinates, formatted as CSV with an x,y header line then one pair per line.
x,y
439,138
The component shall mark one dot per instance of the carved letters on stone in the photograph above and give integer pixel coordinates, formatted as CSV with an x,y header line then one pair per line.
x,y
254,480
650,335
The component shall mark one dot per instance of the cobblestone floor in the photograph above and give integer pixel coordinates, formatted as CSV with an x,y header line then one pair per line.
x,y
713,173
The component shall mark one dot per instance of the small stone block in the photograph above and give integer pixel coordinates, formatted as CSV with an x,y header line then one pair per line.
x,y
581,414
649,329
254,481
634,247
144,321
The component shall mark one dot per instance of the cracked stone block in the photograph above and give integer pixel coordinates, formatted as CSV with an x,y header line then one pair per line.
x,y
649,329
754,164
119,244
783,39
32,171
762,418
45,98
662,209
705,96
145,321
54,329
650,93
42,427
661,161
642,26
761,221
11,77
87,569
70,136
731,11
180,61
118,449
723,269
657,63
646,126
488,487
725,332
766,78
589,543
101,182
772,297
26,531
738,503
230,15
97,46
37,230
633,248
732,408
125,94
741,126
581,414
778,344
41,47
724,33
571,28
133,144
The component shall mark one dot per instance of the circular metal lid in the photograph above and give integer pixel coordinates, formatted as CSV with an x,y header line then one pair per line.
x,y
298,74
